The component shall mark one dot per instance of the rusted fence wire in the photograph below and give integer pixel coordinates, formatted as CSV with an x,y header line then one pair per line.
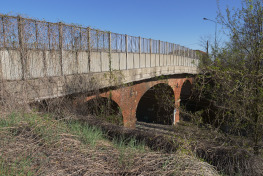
x,y
68,49
46,35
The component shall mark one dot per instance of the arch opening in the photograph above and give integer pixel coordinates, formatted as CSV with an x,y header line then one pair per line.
x,y
102,107
157,105
186,102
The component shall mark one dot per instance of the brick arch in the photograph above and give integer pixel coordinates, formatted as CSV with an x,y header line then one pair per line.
x,y
169,86
102,95
128,97
177,92
184,82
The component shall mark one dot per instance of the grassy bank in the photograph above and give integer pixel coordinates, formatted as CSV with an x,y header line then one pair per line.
x,y
37,144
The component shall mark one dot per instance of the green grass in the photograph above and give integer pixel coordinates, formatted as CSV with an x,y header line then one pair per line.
x,y
129,144
21,166
38,144
88,134
128,148
49,131
42,127
10,121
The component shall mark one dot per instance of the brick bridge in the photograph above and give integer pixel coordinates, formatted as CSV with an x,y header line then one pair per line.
x,y
128,97
42,60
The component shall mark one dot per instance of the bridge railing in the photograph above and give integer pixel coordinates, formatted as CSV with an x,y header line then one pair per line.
x,y
32,48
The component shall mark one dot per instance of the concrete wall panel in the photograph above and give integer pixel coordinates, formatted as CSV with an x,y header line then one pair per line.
x,y
136,60
161,60
123,61
157,57
142,60
69,62
95,62
153,56
115,61
35,61
53,63
168,60
148,60
83,65
165,60
105,59
11,64
130,60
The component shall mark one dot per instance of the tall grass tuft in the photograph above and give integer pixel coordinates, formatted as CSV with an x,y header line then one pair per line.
x,y
88,134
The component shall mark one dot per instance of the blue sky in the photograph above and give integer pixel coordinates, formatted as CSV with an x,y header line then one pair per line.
x,y
176,21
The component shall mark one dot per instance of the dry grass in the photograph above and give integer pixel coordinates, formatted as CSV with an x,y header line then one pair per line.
x,y
36,144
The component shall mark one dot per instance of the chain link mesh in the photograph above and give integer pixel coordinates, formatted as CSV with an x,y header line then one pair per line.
x,y
45,35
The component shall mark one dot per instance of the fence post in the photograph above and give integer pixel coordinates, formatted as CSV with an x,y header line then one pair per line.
x,y
188,56
36,34
118,52
173,54
182,61
139,52
78,47
166,51
184,57
116,43
159,53
150,52
194,58
89,48
22,47
46,50
4,45
3,25
97,38
110,66
132,51
179,55
126,48
48,33
61,47
155,41
145,52
1,70
170,52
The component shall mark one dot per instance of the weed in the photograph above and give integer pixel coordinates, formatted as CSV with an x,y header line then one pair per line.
x,y
129,144
21,166
88,134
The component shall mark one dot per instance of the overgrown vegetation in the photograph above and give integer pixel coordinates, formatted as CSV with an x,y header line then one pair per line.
x,y
37,144
231,86
228,94
230,109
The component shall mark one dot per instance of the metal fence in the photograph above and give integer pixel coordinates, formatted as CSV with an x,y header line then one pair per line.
x,y
31,49
18,32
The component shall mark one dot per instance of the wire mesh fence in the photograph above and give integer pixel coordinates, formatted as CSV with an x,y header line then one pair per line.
x,y
40,59
9,32
60,41
36,34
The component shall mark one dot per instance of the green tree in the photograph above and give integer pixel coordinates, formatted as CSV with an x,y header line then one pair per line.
x,y
232,86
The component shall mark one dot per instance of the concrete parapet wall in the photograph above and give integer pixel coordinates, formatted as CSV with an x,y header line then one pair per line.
x,y
40,74
48,63
56,86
